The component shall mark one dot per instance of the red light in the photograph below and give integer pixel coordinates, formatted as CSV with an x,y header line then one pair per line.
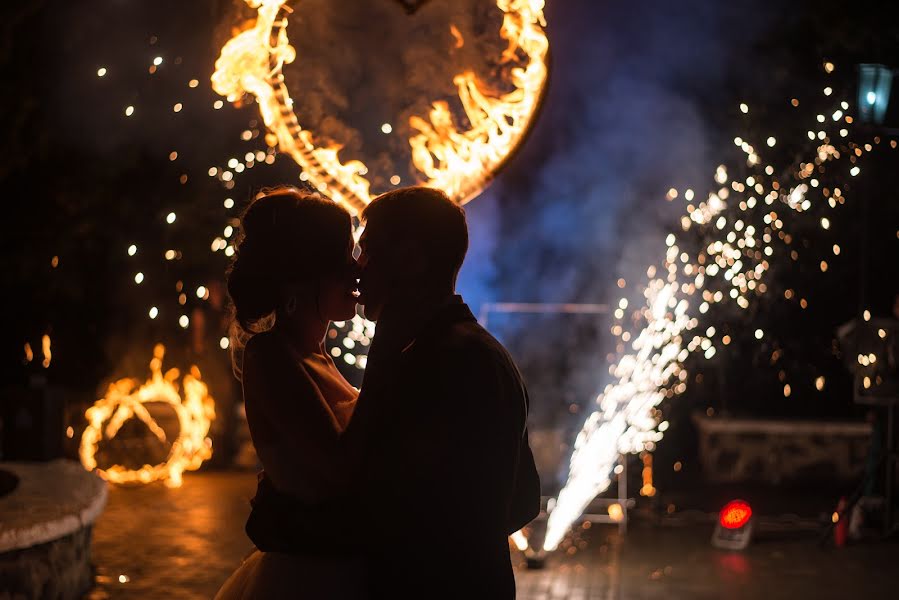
x,y
735,514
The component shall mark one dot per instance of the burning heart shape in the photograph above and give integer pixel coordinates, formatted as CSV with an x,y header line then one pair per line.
x,y
458,143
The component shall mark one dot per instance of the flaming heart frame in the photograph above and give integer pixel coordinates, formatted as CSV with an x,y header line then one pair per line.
x,y
125,399
459,162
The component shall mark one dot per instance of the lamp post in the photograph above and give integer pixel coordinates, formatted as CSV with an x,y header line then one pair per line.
x,y
874,84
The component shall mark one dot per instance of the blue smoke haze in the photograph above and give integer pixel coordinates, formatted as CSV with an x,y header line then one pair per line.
x,y
583,203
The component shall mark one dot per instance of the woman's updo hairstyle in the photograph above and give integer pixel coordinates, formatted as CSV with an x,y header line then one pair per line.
x,y
286,236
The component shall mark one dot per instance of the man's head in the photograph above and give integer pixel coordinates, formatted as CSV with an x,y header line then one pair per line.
x,y
413,245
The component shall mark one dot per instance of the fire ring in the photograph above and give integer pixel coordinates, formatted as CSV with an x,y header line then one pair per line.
x,y
125,399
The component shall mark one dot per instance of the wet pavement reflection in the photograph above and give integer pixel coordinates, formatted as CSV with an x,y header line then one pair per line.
x,y
156,542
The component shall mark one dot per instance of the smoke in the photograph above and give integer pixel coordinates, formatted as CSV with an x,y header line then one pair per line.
x,y
362,64
635,91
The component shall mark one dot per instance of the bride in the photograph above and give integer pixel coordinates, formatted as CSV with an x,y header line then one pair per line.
x,y
293,273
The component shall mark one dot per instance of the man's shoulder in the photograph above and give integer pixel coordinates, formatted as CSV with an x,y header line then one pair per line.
x,y
468,343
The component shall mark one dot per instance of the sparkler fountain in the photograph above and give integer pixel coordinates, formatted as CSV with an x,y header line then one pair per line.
x,y
742,233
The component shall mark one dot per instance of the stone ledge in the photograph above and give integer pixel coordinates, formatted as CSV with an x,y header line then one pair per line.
x,y
53,500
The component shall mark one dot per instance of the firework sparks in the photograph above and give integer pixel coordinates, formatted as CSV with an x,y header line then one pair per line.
x,y
743,232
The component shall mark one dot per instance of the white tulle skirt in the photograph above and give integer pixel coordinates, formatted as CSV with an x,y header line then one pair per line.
x,y
275,575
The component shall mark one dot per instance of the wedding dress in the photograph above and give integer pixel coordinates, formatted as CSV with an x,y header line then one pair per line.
x,y
297,406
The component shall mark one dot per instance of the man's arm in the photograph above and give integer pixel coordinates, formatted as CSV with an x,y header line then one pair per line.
x,y
525,505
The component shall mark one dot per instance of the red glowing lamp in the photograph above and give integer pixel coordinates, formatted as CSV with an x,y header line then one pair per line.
x,y
734,528
735,514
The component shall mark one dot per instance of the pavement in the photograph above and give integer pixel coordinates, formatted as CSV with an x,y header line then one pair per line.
x,y
156,542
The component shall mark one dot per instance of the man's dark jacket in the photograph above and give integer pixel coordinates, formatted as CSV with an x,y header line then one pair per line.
x,y
446,471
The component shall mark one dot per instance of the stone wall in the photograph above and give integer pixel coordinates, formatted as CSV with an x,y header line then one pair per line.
x,y
59,569
734,450
45,530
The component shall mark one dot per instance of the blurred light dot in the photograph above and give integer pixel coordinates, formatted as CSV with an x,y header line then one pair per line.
x,y
201,292
138,277
828,91
154,312
132,250
771,141
819,383
170,218
183,321
193,83
229,251
173,155
124,579
224,343
395,180
829,67
854,171
386,128
744,108
758,334
70,433
101,71
169,254
129,111
228,231
229,203
157,61
177,107
217,104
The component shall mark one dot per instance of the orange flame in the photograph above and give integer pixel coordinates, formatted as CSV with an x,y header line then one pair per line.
x,y
460,162
125,399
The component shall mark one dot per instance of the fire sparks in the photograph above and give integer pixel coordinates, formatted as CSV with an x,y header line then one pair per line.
x,y
125,399
460,162
742,232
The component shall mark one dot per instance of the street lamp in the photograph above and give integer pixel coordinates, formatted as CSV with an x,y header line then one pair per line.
x,y
874,83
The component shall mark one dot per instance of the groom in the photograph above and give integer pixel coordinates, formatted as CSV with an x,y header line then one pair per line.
x,y
440,425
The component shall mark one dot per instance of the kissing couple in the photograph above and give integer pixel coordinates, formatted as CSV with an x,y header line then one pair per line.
x,y
409,487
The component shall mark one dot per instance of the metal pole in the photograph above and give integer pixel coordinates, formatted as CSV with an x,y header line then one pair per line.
x,y
622,495
891,467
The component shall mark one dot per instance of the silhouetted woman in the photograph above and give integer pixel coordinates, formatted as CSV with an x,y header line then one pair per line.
x,y
293,273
